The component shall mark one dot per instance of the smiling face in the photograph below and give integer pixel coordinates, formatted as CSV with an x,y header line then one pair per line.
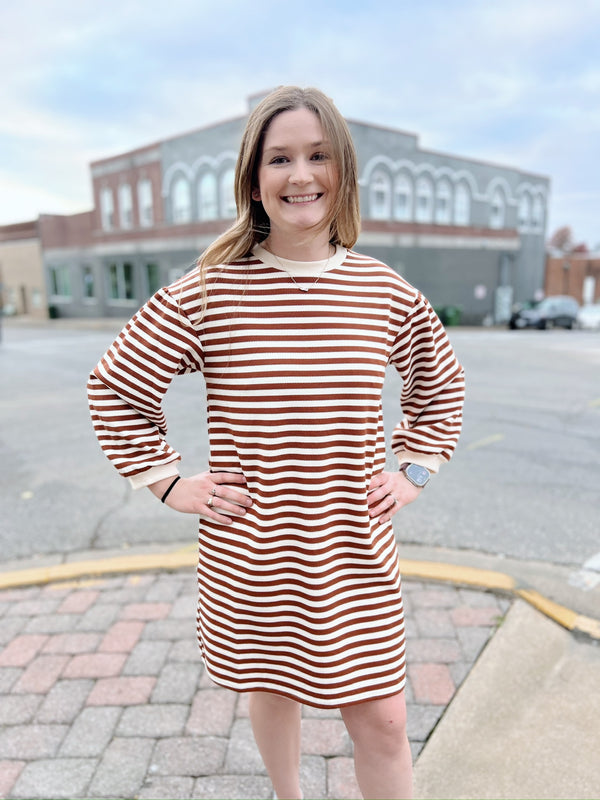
x,y
297,179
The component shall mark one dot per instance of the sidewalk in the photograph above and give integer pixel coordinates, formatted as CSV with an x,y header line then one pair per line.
x,y
103,694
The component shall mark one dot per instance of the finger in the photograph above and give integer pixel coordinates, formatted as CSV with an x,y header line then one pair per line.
x,y
388,504
228,477
377,495
234,496
391,509
219,504
377,481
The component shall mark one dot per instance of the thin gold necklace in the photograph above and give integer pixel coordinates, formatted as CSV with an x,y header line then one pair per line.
x,y
314,283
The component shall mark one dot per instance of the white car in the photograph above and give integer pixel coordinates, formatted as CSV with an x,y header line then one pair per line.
x,y
588,317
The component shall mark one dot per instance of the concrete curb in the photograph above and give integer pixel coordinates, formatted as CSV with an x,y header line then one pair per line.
x,y
487,580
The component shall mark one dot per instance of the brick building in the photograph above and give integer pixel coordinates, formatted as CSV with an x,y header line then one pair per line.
x,y
469,234
574,274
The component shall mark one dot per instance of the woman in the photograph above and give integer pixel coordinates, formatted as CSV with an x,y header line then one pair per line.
x,y
299,586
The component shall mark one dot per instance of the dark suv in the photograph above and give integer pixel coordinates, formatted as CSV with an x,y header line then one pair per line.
x,y
551,312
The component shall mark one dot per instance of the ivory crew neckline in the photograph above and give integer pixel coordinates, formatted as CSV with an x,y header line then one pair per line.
x,y
301,269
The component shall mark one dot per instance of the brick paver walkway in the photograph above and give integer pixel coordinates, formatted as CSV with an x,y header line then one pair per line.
x,y
103,694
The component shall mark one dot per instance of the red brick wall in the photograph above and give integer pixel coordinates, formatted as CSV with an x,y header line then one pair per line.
x,y
74,230
565,274
151,171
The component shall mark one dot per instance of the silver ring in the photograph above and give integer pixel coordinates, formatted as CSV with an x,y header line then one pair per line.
x,y
214,491
210,501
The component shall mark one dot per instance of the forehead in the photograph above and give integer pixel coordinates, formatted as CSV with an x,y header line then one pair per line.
x,y
300,126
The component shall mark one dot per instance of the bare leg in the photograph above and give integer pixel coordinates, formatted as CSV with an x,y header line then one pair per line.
x,y
382,757
276,726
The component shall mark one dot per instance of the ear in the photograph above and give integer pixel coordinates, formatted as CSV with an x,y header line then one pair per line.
x,y
256,194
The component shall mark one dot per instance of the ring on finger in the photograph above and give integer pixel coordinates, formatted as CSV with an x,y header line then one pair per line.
x,y
214,491
210,501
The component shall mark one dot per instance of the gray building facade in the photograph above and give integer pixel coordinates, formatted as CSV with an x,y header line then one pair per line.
x,y
469,234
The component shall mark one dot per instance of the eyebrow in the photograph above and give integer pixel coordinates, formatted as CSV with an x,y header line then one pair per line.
x,y
281,148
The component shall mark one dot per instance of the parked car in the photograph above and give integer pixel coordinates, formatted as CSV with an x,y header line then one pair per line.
x,y
588,317
559,311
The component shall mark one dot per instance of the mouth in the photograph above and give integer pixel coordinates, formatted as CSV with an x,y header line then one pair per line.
x,y
295,199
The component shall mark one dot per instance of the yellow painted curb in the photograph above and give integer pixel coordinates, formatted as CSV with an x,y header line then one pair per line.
x,y
103,566
424,570
454,573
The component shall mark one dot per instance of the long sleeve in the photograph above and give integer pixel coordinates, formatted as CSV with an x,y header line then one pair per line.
x,y
126,388
433,389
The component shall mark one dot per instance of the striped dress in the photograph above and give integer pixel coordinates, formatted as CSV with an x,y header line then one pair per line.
x,y
302,595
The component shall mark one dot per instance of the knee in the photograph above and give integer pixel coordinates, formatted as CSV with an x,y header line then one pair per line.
x,y
381,727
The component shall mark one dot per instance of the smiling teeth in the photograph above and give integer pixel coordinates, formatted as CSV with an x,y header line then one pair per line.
x,y
306,198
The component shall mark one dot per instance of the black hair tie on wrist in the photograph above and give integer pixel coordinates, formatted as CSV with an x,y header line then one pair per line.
x,y
171,485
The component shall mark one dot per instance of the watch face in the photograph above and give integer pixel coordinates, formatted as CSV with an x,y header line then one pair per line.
x,y
417,474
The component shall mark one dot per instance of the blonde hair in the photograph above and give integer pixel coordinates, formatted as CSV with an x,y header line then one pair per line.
x,y
252,223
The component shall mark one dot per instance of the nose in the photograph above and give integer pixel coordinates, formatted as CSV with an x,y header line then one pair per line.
x,y
301,172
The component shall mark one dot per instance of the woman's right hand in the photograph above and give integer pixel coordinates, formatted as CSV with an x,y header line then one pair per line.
x,y
212,495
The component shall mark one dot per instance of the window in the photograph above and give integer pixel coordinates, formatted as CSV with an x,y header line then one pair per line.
x,y
145,203
524,216
152,274
125,206
107,209
87,278
60,282
443,202
537,214
228,207
207,197
424,210
120,281
182,201
380,196
462,205
497,210
402,198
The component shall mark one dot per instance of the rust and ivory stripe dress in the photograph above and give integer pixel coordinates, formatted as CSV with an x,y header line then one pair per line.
x,y
302,595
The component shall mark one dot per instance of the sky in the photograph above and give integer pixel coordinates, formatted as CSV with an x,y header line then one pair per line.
x,y
515,82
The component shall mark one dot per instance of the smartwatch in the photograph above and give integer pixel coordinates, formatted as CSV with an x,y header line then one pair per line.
x,y
416,474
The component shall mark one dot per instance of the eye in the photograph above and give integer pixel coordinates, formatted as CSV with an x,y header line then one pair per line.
x,y
320,157
278,160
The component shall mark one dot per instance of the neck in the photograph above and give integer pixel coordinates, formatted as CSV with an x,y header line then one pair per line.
x,y
317,248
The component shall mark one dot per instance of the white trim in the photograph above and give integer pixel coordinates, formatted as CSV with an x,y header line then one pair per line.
x,y
499,182
532,188
436,241
215,163
178,166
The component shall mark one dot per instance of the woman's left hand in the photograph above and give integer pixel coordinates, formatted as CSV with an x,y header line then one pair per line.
x,y
388,492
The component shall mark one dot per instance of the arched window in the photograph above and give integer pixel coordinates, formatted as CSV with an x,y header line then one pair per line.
x,y
497,210
424,210
125,205
207,197
182,201
537,214
403,198
462,205
145,204
107,208
228,207
380,192
443,202
524,214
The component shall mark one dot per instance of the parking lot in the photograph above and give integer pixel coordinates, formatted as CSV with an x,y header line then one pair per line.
x,y
523,484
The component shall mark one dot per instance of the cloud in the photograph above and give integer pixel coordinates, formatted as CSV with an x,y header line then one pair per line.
x,y
515,83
